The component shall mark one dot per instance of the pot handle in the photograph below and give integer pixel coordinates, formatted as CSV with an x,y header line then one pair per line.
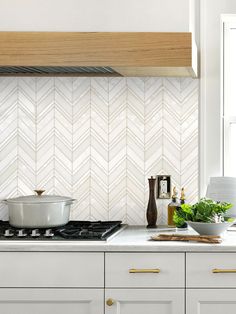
x,y
39,192
72,201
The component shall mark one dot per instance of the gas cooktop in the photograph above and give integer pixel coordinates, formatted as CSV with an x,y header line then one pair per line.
x,y
75,230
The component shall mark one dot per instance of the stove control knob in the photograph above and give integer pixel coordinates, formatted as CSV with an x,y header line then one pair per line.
x,y
48,233
8,233
35,233
21,233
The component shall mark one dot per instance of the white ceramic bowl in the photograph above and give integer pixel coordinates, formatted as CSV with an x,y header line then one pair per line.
x,y
205,228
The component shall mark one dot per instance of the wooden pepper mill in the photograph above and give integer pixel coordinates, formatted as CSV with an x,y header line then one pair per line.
x,y
152,206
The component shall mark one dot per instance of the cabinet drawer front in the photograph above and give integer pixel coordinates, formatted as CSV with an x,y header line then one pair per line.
x,y
144,270
141,301
51,269
210,301
48,301
211,270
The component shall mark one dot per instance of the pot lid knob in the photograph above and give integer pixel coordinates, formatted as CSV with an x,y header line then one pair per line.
x,y
39,192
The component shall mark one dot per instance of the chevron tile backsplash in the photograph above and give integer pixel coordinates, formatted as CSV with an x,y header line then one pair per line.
x,y
98,140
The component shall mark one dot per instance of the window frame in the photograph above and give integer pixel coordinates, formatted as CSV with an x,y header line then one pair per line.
x,y
228,23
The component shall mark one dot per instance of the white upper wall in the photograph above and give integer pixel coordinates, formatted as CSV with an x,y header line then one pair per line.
x,y
95,15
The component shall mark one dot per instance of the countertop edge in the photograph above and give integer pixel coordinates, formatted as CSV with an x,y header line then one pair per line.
x,y
130,239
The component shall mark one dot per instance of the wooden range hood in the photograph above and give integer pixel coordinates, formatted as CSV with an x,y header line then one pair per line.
x,y
97,54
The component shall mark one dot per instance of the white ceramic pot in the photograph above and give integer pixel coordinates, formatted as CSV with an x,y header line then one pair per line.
x,y
39,211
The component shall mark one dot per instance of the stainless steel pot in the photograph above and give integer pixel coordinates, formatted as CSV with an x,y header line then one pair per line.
x,y
39,211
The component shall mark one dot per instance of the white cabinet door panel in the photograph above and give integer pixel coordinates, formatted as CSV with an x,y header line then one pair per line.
x,y
145,301
96,15
51,301
171,266
200,266
51,269
211,301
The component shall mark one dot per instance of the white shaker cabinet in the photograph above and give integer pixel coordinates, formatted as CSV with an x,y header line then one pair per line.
x,y
211,301
211,270
117,282
51,283
210,283
144,270
144,283
144,301
51,270
51,301
96,15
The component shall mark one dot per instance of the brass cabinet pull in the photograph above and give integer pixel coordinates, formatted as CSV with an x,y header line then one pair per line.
x,y
223,271
110,302
144,271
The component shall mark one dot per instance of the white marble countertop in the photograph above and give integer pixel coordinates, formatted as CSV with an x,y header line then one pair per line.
x,y
131,238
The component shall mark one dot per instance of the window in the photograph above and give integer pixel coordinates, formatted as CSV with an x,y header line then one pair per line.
x,y
229,95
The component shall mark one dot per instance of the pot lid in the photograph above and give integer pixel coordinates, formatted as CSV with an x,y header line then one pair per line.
x,y
35,199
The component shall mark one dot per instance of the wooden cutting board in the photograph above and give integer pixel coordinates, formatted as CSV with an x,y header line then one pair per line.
x,y
184,237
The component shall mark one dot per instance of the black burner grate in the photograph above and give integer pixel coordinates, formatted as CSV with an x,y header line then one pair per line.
x,y
88,230
74,230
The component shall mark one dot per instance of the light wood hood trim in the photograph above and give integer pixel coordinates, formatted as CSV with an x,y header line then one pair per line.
x,y
113,49
155,71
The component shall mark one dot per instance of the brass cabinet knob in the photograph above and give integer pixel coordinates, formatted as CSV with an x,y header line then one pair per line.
x,y
110,302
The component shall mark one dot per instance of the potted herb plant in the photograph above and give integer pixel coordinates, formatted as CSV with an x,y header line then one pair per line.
x,y
207,217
